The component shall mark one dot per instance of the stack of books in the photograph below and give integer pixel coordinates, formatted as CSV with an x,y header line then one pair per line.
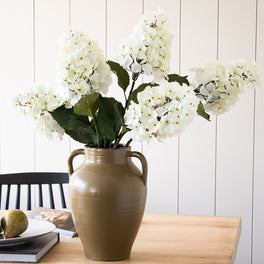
x,y
34,249
31,251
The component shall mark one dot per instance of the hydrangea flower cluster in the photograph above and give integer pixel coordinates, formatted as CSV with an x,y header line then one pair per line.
x,y
151,111
36,103
162,111
147,50
82,68
219,85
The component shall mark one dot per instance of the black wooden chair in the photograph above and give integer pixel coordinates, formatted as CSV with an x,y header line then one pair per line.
x,y
33,178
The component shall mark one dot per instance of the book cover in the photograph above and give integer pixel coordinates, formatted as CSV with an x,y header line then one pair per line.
x,y
31,251
62,219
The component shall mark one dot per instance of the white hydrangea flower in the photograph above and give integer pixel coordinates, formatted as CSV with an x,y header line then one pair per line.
x,y
147,50
49,127
245,73
162,111
82,68
36,103
219,85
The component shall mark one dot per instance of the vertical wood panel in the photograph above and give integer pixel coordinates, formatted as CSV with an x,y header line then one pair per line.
x,y
50,155
197,144
163,157
258,213
121,18
235,129
89,17
16,70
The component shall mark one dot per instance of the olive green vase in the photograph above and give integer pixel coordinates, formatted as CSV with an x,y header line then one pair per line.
x,y
107,198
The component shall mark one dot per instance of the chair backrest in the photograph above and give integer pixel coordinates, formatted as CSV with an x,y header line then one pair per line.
x,y
33,178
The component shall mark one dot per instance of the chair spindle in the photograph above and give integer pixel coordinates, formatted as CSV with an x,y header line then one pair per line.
x,y
29,197
51,197
18,197
0,195
40,196
8,196
63,203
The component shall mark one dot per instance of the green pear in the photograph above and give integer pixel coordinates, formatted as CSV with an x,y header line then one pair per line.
x,y
14,223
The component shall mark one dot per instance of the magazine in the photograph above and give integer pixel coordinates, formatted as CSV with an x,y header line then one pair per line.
x,y
62,219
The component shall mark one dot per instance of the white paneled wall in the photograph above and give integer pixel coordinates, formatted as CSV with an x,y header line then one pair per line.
x,y
235,129
214,168
46,34
197,144
258,196
17,72
163,180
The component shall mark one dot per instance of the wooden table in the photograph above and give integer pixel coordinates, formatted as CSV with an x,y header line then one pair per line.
x,y
173,239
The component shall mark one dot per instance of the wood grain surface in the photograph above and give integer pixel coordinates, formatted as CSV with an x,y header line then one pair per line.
x,y
174,239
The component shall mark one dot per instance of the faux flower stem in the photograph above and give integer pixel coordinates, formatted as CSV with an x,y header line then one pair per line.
x,y
128,142
118,139
125,96
134,78
131,90
97,133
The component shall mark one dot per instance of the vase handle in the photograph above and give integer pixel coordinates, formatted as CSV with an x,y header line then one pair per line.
x,y
70,159
144,163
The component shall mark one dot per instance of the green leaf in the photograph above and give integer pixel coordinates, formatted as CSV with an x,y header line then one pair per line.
x,y
121,73
68,120
83,135
133,95
88,105
177,78
76,126
201,112
110,118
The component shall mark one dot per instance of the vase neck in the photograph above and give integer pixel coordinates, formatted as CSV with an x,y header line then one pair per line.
x,y
103,156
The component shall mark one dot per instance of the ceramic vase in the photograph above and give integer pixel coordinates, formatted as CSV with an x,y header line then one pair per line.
x,y
107,198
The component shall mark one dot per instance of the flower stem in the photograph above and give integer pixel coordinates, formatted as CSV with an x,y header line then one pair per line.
x,y
128,142
134,78
119,139
131,90
125,96
97,134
